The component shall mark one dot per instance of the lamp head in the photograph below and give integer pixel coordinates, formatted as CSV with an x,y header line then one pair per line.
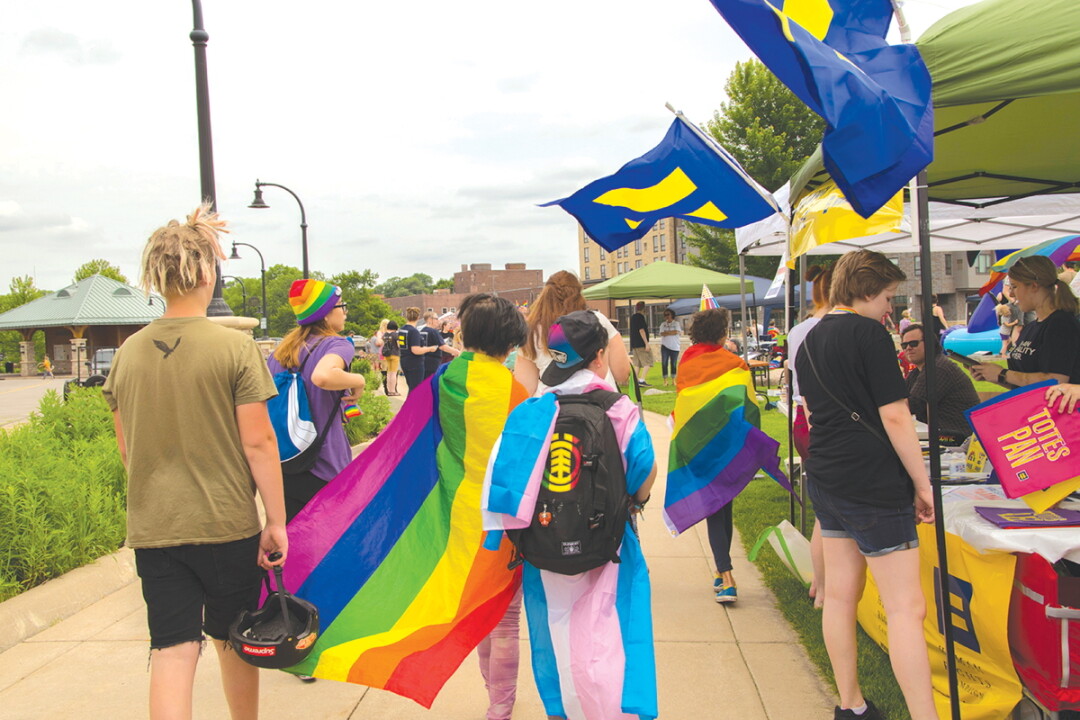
x,y
258,203
235,254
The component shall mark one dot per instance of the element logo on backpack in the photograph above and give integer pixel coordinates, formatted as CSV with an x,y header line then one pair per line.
x,y
564,463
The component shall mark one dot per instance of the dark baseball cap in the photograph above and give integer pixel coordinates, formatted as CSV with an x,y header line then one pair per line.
x,y
573,341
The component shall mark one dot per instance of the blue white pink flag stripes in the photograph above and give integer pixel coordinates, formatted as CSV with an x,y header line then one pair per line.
x,y
591,634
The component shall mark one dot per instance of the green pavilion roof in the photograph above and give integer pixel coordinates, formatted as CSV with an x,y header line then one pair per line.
x,y
97,300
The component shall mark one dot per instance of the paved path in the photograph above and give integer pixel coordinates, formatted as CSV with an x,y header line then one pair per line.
x,y
19,396
714,662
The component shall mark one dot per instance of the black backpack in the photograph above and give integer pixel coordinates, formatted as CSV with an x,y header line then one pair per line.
x,y
582,506
390,344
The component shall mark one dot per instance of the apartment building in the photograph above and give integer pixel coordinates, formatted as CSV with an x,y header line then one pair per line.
x,y
665,241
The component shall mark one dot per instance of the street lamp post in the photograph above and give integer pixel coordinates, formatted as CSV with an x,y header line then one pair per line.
x,y
258,204
199,38
243,290
262,271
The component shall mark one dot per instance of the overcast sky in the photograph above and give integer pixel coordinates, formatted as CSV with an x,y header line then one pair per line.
x,y
419,135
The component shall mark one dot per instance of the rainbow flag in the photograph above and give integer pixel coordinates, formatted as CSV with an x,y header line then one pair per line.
x,y
390,551
716,445
707,300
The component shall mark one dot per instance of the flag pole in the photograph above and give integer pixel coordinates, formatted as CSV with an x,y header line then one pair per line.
x,y
728,160
920,220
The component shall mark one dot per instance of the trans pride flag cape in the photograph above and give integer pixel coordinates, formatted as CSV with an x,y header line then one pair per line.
x,y
716,446
591,633
390,551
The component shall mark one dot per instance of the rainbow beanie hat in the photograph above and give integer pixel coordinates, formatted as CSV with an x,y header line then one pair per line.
x,y
312,300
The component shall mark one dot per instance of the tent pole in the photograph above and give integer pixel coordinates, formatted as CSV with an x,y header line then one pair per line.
x,y
932,350
742,308
919,203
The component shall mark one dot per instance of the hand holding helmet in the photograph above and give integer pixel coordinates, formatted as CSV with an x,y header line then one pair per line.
x,y
281,633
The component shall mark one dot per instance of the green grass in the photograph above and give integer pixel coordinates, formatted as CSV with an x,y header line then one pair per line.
x,y
764,503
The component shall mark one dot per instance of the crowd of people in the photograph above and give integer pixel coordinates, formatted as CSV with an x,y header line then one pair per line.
x,y
189,400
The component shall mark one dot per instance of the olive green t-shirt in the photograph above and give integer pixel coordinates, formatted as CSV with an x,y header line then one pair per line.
x,y
176,384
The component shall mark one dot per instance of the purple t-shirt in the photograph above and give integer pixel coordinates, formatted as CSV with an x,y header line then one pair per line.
x,y
335,453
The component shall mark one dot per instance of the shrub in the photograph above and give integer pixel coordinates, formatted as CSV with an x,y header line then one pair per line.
x,y
376,408
62,491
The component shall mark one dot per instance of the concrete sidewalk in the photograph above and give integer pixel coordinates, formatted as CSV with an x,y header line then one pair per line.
x,y
713,662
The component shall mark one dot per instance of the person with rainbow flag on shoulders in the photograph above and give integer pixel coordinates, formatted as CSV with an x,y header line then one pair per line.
x,y
717,445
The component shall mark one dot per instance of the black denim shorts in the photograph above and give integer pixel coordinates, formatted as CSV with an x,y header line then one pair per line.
x,y
876,530
192,588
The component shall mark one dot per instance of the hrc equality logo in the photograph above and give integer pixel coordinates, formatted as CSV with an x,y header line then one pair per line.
x,y
667,193
564,463
687,176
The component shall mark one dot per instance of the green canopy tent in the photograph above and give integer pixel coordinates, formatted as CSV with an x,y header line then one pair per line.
x,y
1006,77
663,280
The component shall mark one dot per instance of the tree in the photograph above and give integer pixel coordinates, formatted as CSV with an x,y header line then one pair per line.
x,y
771,133
764,126
415,284
21,290
444,284
100,267
365,309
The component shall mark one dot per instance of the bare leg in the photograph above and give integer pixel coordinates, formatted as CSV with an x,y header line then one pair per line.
x,y
846,568
817,560
240,682
897,578
172,679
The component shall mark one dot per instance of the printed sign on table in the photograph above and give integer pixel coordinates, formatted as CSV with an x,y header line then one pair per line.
x,y
1031,445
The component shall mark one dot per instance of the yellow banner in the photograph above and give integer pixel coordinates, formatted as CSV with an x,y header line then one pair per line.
x,y
825,216
979,590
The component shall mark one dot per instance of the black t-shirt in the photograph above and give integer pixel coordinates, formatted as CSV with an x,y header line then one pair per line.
x,y
637,324
410,337
432,338
857,363
1050,346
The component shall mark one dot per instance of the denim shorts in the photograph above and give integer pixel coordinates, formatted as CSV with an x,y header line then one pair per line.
x,y
192,588
876,530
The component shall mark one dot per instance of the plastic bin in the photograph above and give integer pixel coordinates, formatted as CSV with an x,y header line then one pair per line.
x,y
1044,630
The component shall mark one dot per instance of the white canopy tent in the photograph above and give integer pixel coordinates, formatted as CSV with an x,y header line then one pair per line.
x,y
953,228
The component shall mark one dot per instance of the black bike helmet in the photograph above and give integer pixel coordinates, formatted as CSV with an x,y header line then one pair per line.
x,y
278,635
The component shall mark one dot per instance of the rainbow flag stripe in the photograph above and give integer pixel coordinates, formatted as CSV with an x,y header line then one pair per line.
x,y
390,551
716,446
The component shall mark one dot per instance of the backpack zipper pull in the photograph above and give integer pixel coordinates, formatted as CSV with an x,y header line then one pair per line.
x,y
544,517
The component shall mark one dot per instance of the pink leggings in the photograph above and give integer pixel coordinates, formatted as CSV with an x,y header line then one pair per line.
x,y
499,662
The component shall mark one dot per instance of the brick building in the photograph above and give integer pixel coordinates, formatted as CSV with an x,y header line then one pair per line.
x,y
666,240
514,282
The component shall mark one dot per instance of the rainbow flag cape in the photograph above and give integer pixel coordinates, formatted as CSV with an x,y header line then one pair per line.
x,y
390,551
716,445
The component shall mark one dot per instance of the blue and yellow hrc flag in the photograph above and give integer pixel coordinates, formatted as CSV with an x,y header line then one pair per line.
x,y
685,176
874,97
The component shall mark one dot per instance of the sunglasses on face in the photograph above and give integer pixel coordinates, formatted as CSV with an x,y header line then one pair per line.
x,y
910,344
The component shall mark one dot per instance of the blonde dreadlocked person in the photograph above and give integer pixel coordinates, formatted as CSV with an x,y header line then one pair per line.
x,y
189,403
